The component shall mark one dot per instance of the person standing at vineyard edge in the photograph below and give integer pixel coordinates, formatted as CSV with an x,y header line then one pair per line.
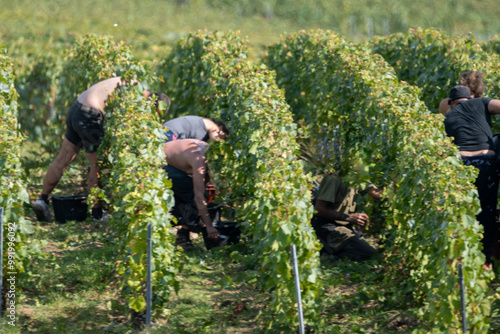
x,y
469,124
85,129
470,79
336,217
187,168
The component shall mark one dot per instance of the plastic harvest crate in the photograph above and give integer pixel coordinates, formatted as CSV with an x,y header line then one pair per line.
x,y
67,208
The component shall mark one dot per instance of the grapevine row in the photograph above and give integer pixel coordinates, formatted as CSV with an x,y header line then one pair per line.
x,y
433,61
134,185
37,80
376,129
256,169
18,253
139,194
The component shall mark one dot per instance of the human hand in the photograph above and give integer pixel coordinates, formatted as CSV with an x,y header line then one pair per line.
x,y
212,232
358,218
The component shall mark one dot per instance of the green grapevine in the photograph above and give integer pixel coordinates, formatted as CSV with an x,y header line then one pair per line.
x,y
384,134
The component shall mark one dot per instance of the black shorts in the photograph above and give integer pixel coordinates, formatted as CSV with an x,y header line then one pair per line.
x,y
85,127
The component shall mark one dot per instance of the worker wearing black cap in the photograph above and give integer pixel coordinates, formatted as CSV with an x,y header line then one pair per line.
x,y
469,123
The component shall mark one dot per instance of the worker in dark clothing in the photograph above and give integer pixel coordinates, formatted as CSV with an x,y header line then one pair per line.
x,y
469,123
336,219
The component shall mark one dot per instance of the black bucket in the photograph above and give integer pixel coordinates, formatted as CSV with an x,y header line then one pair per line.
x,y
70,208
229,234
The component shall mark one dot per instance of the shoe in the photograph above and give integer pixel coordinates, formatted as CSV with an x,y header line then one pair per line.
x,y
104,218
184,240
42,211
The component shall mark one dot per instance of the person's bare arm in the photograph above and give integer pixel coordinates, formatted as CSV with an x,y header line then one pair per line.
x,y
325,210
375,193
494,107
444,107
200,177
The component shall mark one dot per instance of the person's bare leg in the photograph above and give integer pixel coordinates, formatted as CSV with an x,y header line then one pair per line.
x,y
93,177
56,169
93,182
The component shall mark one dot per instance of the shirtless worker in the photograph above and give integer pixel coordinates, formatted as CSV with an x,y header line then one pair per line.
x,y
84,124
187,168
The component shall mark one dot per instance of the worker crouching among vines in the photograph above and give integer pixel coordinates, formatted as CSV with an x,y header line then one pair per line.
x,y
336,220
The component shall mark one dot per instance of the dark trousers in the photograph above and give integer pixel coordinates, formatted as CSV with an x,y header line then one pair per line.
x,y
341,241
185,209
487,188
357,249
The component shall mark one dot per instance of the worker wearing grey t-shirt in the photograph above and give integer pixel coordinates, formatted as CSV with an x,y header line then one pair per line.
x,y
195,127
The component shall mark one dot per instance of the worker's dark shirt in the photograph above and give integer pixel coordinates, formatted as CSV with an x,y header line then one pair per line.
x,y
469,123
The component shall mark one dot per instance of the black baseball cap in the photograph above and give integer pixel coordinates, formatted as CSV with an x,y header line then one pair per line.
x,y
459,92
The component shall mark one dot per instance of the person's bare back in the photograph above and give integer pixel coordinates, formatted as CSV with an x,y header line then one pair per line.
x,y
96,96
186,154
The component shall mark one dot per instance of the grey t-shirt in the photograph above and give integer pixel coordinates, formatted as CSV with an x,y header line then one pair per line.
x,y
187,127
